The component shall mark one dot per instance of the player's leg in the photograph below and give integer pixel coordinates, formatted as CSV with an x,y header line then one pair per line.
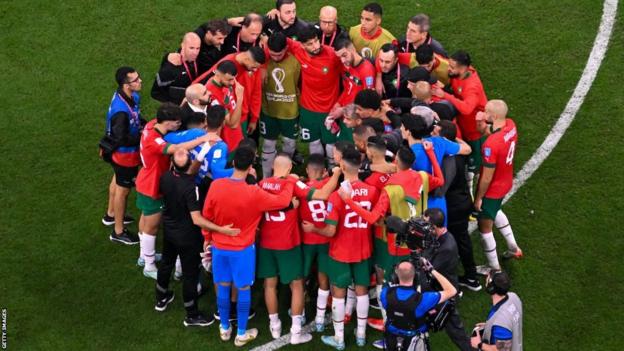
x,y
380,259
288,129
328,139
318,252
474,163
164,296
502,224
124,181
148,228
340,278
243,265
310,130
222,276
361,277
269,130
351,302
267,270
290,267
489,208
459,229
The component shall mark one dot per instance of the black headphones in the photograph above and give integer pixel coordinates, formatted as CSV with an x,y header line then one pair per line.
x,y
492,287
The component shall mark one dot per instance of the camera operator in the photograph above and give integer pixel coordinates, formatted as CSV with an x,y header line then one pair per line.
x,y
503,329
407,307
444,258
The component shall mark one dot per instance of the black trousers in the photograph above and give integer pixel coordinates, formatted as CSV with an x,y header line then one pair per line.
x,y
191,261
455,330
459,229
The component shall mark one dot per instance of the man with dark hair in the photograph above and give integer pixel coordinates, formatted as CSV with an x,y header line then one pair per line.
x,y
468,98
358,73
368,37
349,249
154,155
212,34
123,127
227,93
417,34
285,20
320,77
329,31
433,62
444,260
245,34
280,107
391,74
182,220
502,331
234,257
250,77
177,71
459,207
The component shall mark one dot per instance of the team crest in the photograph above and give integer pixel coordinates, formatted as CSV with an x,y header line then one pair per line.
x,y
487,152
325,69
459,90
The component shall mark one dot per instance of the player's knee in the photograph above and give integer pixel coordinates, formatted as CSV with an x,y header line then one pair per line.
x,y
268,147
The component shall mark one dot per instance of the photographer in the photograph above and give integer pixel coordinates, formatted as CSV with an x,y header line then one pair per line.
x,y
444,259
407,307
503,328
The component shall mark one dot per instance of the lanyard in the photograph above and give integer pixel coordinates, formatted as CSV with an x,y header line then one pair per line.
x,y
187,69
331,41
238,42
133,113
398,82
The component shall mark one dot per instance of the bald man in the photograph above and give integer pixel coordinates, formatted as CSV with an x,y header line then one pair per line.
x,y
495,181
279,251
177,71
197,99
329,31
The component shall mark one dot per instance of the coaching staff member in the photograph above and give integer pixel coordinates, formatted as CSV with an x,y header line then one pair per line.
x,y
445,260
123,126
406,327
182,221
503,329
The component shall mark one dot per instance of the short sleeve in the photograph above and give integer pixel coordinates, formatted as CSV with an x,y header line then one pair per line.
x,y
450,147
489,155
191,198
429,300
302,191
334,206
500,333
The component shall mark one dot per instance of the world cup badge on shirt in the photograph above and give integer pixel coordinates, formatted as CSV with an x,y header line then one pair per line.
x,y
325,69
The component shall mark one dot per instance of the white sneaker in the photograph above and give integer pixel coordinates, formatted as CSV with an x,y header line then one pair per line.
x,y
300,338
177,275
249,336
484,269
225,334
276,329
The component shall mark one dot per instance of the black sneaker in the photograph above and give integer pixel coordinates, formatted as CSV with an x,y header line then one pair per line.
x,y
125,237
198,321
298,158
471,284
162,304
374,303
110,220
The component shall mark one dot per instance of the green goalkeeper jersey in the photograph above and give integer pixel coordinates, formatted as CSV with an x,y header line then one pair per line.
x,y
281,88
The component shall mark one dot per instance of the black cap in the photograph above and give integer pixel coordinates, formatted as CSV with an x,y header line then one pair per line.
x,y
418,74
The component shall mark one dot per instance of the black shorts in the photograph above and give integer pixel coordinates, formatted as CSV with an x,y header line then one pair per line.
x,y
125,176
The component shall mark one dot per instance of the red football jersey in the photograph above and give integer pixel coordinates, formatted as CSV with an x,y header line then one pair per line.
x,y
468,98
353,241
279,230
154,159
225,96
356,79
378,180
320,77
498,151
314,211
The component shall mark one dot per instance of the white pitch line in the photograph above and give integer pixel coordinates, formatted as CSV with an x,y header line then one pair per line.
x,y
558,130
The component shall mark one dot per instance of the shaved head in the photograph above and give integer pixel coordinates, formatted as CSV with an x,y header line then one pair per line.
x,y
422,91
328,19
406,273
190,46
197,94
328,12
282,165
498,108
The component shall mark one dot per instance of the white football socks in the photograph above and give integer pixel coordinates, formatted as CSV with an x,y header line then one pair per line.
x,y
321,305
268,156
316,147
502,224
350,300
378,289
489,248
288,146
338,314
148,251
362,315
